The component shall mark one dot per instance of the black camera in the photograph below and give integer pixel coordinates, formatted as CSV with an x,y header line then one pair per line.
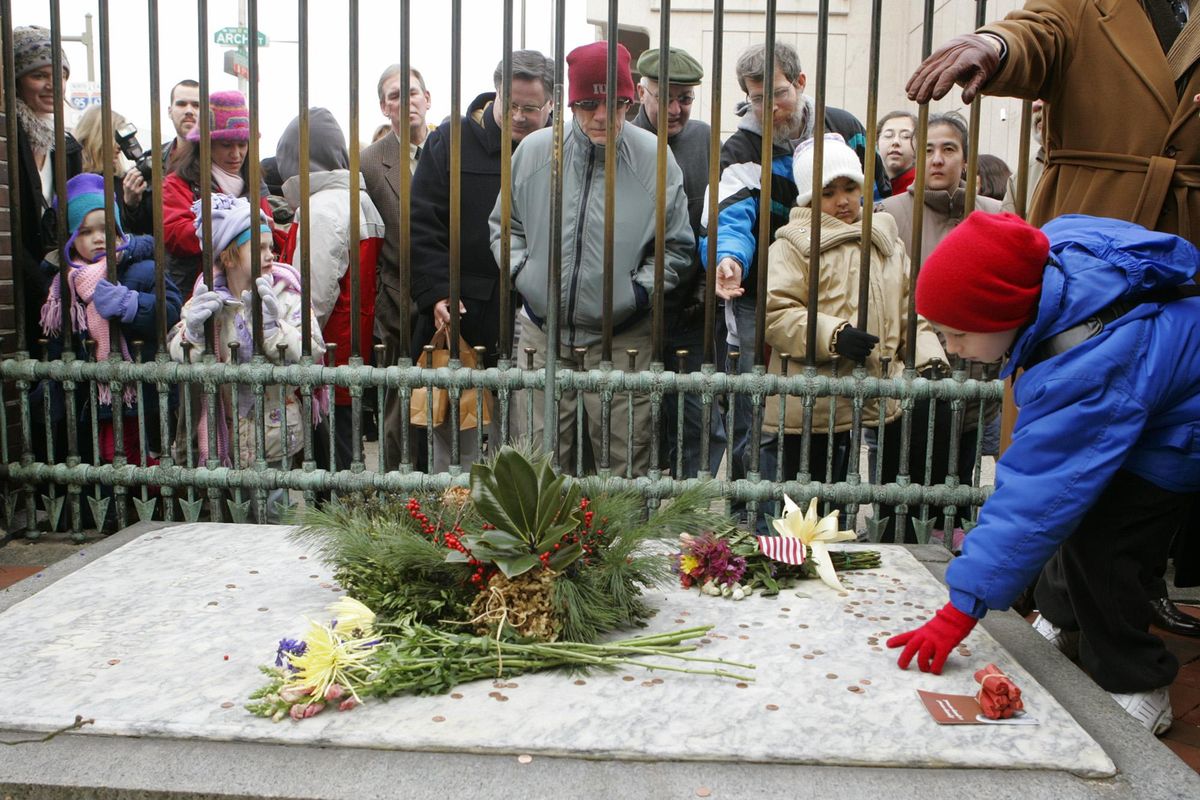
x,y
127,141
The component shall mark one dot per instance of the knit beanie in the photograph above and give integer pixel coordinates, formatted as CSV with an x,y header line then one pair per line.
x,y
587,72
228,118
230,219
85,194
985,276
32,50
326,146
838,161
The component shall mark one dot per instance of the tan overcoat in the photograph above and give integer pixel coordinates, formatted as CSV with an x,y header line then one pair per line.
x,y
1121,141
787,311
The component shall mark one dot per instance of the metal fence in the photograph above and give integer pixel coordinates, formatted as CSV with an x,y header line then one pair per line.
x,y
59,487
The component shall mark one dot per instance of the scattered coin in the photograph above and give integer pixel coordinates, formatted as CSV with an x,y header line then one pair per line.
x,y
580,682
439,719
627,678
703,791
831,675
456,696
524,759
794,646
772,707
855,689
742,685
112,662
227,704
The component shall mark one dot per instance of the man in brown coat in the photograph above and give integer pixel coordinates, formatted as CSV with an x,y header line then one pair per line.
x,y
1141,164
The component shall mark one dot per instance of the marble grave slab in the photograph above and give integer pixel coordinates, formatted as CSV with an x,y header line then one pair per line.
x,y
163,637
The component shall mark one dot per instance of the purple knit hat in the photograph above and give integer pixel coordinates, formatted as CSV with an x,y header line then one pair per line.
x,y
228,118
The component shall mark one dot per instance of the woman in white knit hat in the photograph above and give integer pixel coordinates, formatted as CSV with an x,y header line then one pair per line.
x,y
838,338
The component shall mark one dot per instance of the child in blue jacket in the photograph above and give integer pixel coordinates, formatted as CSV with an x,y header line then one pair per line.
x,y
1105,458
95,301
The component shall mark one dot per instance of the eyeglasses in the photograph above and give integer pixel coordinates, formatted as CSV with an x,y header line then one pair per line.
x,y
591,105
781,94
903,136
682,99
526,111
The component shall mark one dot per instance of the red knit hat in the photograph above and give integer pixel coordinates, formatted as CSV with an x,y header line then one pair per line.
x,y
587,72
985,276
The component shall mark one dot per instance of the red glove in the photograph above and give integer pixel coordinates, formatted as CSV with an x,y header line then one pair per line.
x,y
968,60
932,642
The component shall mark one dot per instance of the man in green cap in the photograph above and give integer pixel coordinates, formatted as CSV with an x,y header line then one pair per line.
x,y
684,324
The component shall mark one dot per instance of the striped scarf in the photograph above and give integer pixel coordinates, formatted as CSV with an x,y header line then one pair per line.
x,y
82,280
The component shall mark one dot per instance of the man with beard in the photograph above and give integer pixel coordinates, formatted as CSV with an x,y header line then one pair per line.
x,y
185,113
793,117
479,307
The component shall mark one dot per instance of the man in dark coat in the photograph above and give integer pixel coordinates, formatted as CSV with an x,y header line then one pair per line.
x,y
479,307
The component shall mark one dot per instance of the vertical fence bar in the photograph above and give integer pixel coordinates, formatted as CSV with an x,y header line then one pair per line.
x,y
973,132
1022,184
505,99
15,212
455,251
554,277
404,181
713,196
355,267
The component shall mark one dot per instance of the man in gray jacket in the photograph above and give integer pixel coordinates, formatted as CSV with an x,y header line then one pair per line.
x,y
580,297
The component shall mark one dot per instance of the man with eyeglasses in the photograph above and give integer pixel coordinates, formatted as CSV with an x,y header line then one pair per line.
x,y
482,152
688,140
581,298
896,132
793,119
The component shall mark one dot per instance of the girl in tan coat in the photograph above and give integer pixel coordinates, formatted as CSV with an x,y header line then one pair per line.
x,y
837,338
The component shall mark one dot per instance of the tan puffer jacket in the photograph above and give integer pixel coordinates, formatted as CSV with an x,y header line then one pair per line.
x,y
787,312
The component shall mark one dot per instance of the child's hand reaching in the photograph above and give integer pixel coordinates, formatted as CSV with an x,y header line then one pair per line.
x,y
115,301
270,305
729,279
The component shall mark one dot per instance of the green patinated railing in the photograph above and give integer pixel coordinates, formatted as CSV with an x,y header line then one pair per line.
x,y
60,488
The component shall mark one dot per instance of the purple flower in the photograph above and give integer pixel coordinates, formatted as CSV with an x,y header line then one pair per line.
x,y
286,649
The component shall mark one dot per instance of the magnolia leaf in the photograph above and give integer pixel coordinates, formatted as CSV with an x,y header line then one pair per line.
x,y
517,485
512,567
456,557
563,557
486,503
501,540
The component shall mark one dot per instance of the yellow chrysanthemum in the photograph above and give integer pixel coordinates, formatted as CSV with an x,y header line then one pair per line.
x,y
688,563
330,658
352,617
816,532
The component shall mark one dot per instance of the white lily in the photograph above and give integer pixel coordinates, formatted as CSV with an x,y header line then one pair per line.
x,y
816,532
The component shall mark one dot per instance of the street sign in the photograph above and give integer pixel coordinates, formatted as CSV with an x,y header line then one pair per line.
x,y
238,37
237,64
82,95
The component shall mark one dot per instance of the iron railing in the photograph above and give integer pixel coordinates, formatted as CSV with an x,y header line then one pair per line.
x,y
53,486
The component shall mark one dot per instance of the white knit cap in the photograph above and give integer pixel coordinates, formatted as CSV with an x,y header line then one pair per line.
x,y
839,161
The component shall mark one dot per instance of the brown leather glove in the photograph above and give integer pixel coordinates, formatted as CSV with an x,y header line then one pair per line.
x,y
968,60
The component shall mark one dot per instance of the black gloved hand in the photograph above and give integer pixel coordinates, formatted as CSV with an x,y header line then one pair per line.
x,y
854,343
969,60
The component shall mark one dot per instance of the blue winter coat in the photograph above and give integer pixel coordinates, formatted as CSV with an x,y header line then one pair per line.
x,y
1129,398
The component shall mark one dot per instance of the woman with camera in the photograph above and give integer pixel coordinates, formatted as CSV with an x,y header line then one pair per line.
x,y
134,195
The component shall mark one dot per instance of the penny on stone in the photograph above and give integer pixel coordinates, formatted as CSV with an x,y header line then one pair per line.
x,y
627,678
112,662
831,675
456,696
314,576
680,621
703,791
809,656
304,558
802,625
743,637
794,646
742,685
656,681
439,719
865,682
326,585
580,682
494,694
855,689
231,586
227,704
524,758
785,609
263,608
772,707
213,603
648,684
706,641
877,649
253,572
510,685
818,652
743,625
503,698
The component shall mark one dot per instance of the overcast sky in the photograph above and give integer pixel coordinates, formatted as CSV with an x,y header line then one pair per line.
x,y
329,69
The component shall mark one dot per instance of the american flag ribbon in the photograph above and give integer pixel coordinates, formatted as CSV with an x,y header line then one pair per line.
x,y
787,549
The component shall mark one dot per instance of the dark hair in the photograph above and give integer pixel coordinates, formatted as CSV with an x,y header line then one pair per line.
x,y
186,164
891,115
188,82
993,176
752,64
951,120
527,65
